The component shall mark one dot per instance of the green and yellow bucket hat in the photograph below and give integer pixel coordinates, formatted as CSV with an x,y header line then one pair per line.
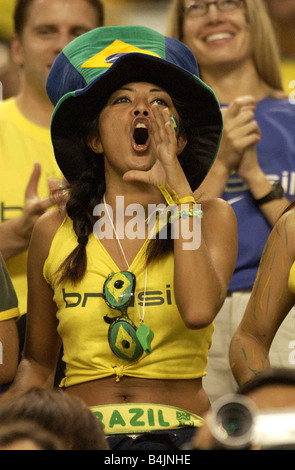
x,y
94,65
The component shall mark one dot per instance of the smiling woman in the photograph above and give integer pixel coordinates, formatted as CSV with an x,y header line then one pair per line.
x,y
224,23
235,46
137,344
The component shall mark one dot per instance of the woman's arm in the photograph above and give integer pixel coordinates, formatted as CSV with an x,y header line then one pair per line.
x,y
42,343
259,186
9,350
15,233
9,312
269,304
202,275
240,131
203,271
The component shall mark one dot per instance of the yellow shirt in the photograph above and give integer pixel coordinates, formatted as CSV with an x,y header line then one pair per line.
x,y
6,18
22,143
291,280
8,299
288,74
177,352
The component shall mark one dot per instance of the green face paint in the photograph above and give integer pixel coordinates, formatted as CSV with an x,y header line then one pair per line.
x,y
174,122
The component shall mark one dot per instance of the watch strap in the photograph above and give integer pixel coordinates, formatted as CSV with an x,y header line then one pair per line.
x,y
277,192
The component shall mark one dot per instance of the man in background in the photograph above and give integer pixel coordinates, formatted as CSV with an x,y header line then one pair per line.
x,y
42,28
8,70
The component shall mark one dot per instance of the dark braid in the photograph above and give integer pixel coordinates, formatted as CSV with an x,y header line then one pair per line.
x,y
83,197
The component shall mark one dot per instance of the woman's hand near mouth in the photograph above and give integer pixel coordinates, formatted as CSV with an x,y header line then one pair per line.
x,y
167,169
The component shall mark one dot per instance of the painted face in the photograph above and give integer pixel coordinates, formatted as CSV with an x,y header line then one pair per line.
x,y
126,127
50,26
218,38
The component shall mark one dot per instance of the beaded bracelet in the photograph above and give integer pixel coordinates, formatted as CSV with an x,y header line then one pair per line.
x,y
184,213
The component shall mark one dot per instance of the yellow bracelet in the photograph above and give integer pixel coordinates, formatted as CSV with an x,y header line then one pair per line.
x,y
184,213
176,200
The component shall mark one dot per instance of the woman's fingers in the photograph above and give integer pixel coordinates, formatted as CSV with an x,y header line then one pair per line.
x,y
163,133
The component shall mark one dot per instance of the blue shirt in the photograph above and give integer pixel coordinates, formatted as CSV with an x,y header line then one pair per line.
x,y
276,156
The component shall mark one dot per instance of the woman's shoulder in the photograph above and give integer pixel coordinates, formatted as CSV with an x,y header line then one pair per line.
x,y
285,228
51,220
287,221
217,206
218,215
42,237
46,227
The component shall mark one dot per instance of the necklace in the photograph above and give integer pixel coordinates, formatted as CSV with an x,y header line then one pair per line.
x,y
143,333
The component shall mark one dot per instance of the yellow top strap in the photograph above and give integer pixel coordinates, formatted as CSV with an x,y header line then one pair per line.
x,y
166,195
174,200
185,200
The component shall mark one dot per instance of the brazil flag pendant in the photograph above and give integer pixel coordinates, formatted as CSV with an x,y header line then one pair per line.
x,y
118,290
126,340
123,340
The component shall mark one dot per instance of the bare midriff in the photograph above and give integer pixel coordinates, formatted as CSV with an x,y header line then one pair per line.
x,y
186,394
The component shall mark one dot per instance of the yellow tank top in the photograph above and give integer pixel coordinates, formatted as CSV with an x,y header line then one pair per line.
x,y
291,280
8,299
22,143
177,352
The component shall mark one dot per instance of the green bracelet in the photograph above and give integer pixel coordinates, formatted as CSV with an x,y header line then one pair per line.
x,y
184,213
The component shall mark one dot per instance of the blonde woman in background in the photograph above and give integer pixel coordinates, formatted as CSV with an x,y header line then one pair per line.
x,y
238,56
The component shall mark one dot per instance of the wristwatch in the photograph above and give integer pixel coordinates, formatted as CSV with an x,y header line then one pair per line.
x,y
277,192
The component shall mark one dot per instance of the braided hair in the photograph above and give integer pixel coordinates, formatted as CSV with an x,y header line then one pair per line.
x,y
84,195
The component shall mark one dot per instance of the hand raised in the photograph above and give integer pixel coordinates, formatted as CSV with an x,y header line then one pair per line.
x,y
249,164
34,206
165,145
240,131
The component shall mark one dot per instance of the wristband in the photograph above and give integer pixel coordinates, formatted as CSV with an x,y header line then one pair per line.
x,y
184,213
277,192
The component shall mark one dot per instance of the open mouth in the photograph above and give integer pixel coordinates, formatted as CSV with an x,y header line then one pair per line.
x,y
140,136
